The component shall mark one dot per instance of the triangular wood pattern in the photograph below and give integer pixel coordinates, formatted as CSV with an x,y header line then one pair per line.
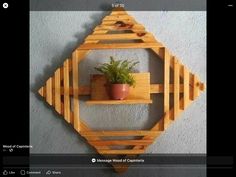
x,y
57,90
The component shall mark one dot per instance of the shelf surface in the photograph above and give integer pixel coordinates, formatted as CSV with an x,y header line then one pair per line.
x,y
92,102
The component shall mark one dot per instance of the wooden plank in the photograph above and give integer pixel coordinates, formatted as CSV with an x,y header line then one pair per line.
x,y
131,36
98,32
186,86
154,88
117,17
66,92
166,86
83,90
159,88
111,22
62,74
41,91
119,133
49,91
75,83
53,91
119,12
121,152
118,46
120,142
57,90
106,102
195,87
114,27
202,86
176,87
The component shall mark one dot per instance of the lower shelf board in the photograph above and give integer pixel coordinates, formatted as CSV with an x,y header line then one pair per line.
x,y
93,102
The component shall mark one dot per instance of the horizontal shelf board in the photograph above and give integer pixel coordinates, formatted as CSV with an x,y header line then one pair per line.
x,y
130,151
120,133
110,22
120,142
131,36
113,27
119,17
118,46
92,102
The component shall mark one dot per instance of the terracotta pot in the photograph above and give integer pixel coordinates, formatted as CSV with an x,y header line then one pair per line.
x,y
119,91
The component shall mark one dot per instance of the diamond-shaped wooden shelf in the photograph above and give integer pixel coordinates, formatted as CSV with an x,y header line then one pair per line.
x,y
57,90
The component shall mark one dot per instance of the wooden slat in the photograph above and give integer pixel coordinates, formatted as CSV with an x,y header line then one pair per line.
x,y
62,74
195,87
49,91
119,11
119,133
41,91
57,91
105,102
154,88
202,86
176,87
113,27
53,91
186,87
111,22
118,17
75,82
159,88
120,142
83,90
66,83
70,65
98,32
166,86
131,36
121,151
118,46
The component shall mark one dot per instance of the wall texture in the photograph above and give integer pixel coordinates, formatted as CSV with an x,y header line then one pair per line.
x,y
53,37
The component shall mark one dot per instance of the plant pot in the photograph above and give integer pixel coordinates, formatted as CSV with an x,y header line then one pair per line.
x,y
119,91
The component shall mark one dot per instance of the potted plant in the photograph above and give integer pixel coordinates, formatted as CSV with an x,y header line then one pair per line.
x,y
118,74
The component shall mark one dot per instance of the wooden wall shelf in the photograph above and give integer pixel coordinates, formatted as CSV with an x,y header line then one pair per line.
x,y
64,85
140,94
94,102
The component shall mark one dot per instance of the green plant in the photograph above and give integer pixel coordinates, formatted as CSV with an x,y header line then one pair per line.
x,y
118,71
